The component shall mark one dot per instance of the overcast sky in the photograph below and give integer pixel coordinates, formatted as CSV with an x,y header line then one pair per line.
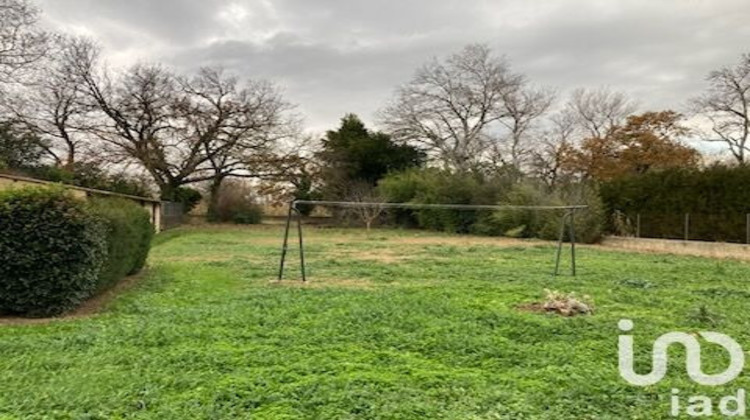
x,y
339,56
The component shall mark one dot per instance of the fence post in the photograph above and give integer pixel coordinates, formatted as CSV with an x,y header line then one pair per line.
x,y
687,226
638,225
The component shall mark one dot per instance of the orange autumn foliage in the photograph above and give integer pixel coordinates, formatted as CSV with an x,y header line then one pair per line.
x,y
646,142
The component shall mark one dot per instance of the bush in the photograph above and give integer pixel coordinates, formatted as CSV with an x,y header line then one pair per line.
x,y
56,250
129,233
434,186
52,251
523,223
590,223
545,224
236,204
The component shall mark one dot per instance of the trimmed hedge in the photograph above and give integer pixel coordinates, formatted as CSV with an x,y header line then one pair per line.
x,y
56,251
129,233
717,199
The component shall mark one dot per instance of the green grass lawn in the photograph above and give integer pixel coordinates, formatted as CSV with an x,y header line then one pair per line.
x,y
394,325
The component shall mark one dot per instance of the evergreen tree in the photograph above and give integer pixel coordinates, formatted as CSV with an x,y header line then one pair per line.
x,y
353,155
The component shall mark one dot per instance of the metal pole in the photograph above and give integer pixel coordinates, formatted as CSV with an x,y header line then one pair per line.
x,y
301,245
284,247
687,226
573,241
560,244
747,224
638,225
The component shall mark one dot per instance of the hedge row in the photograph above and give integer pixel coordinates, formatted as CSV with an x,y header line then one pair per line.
x,y
56,250
716,198
432,186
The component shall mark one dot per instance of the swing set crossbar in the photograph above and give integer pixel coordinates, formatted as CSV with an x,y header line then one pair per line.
x,y
567,223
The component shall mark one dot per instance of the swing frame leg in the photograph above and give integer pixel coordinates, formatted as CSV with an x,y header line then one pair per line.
x,y
567,222
285,245
301,245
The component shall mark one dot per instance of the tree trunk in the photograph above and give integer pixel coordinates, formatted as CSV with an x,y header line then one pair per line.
x,y
213,203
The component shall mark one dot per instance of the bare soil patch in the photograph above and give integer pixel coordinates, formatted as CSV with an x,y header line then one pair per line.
x,y
466,241
715,250
326,282
541,308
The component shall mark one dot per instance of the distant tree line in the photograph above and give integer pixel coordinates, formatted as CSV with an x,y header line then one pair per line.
x,y
468,125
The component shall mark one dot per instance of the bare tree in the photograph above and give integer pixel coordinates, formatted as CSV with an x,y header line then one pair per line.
x,y
240,128
450,106
51,103
139,111
548,158
140,118
184,130
599,111
523,107
726,104
370,206
21,41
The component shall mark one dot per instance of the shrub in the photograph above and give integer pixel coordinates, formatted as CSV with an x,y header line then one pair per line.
x,y
590,223
56,250
402,187
523,223
52,251
545,224
128,232
236,204
433,186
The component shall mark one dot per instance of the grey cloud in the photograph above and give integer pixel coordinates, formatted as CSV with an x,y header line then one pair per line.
x,y
337,56
175,21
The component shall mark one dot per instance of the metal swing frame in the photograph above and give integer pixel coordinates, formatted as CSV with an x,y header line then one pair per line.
x,y
567,223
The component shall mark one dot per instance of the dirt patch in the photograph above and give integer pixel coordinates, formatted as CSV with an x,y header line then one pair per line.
x,y
541,308
466,241
384,256
89,308
535,307
326,282
197,258
716,250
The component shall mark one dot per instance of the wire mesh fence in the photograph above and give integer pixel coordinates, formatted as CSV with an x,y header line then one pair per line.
x,y
172,214
731,227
